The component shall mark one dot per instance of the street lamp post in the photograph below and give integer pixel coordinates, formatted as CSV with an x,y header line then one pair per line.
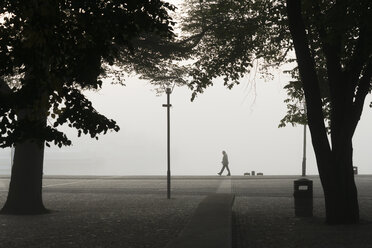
x,y
12,149
304,147
304,154
168,105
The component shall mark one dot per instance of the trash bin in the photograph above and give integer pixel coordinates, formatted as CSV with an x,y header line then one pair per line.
x,y
303,197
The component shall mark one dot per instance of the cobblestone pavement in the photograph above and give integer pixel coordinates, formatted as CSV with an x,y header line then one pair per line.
x,y
105,212
264,217
134,212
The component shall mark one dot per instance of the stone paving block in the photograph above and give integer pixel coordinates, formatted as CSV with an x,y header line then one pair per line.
x,y
210,226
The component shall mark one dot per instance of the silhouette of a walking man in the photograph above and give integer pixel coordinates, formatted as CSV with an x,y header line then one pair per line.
x,y
225,164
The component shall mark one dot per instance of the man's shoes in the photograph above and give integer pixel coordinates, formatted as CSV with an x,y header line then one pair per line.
x,y
219,174
228,175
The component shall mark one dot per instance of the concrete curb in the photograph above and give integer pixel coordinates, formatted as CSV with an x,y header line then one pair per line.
x,y
210,226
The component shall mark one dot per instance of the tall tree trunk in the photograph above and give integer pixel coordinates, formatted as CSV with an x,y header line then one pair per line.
x,y
335,165
341,199
25,190
340,190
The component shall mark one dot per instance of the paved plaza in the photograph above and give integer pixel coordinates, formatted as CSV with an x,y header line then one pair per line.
x,y
134,212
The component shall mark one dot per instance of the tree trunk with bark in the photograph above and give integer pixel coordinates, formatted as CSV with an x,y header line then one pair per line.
x,y
339,187
25,189
335,164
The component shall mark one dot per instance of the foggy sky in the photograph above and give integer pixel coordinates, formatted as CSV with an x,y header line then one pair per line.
x,y
242,121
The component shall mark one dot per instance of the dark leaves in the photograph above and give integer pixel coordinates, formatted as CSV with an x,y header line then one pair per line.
x,y
55,49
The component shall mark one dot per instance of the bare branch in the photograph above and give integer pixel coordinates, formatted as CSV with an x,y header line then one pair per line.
x,y
363,90
358,58
4,88
330,49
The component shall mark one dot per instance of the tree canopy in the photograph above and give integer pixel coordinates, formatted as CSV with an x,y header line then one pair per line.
x,y
50,51
229,36
331,42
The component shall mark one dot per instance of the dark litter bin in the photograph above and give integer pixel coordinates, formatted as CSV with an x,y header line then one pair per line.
x,y
303,197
